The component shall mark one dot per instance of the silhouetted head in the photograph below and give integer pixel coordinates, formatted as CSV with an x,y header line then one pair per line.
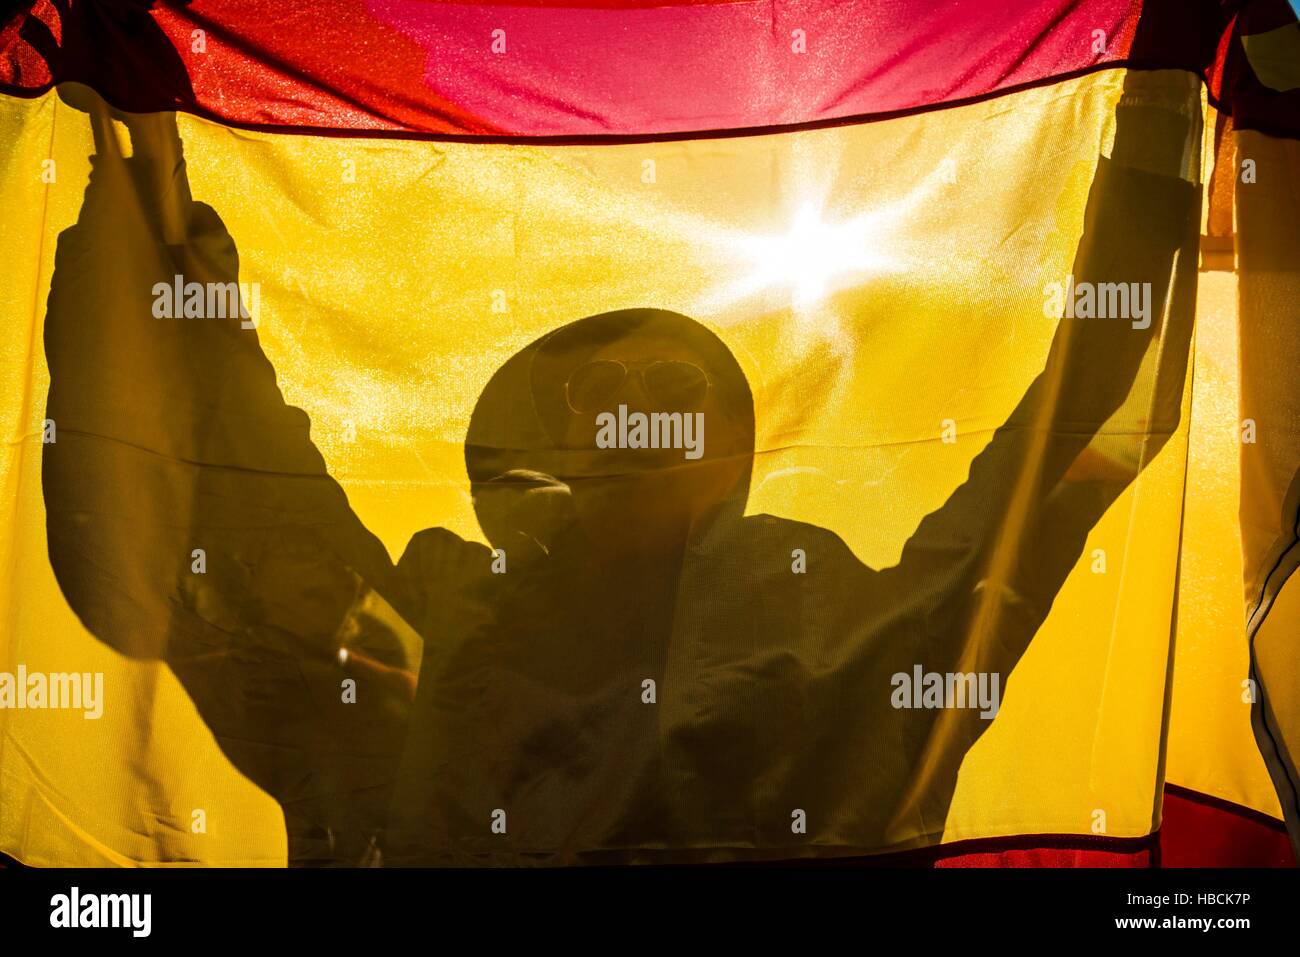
x,y
628,426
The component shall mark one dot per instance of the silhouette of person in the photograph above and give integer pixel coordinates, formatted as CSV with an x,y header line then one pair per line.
x,y
631,671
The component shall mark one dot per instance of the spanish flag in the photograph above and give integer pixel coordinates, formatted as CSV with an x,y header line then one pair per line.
x,y
603,432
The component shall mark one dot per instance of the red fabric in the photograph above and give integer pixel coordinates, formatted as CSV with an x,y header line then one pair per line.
x,y
598,68
1253,105
1201,831
1052,857
1196,831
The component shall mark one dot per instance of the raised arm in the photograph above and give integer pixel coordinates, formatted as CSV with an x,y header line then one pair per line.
x,y
978,577
1111,387
191,519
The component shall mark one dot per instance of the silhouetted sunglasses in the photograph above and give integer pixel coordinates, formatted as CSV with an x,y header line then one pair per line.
x,y
676,386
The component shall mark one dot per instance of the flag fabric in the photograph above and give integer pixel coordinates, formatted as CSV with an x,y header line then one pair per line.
x,y
595,433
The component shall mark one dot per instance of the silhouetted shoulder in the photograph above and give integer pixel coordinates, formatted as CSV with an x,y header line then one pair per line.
x,y
800,544
763,586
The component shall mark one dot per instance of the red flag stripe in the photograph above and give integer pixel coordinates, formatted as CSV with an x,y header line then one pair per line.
x,y
447,69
